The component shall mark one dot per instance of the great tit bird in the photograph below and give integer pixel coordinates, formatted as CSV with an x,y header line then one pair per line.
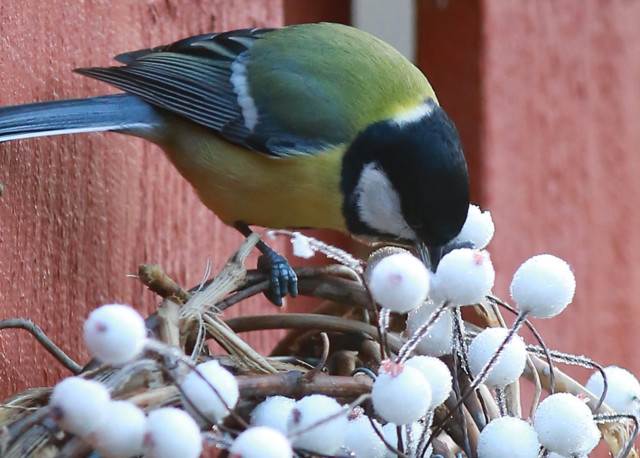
x,y
306,126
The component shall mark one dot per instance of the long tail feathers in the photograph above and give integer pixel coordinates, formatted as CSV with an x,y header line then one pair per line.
x,y
121,112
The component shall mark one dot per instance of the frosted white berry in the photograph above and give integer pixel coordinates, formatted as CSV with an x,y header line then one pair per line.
x,y
438,340
437,374
543,286
115,333
362,439
400,394
509,365
170,433
399,282
464,277
122,432
308,429
623,389
478,228
200,399
273,412
565,425
261,442
508,437
79,406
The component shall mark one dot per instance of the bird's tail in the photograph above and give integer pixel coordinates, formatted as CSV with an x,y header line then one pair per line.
x,y
120,112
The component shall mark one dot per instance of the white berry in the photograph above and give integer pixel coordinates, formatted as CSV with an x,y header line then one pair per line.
x,y
122,433
623,389
115,333
438,340
273,412
200,399
464,277
509,365
543,286
362,439
400,394
170,433
309,428
261,442
79,405
478,228
508,437
565,425
437,374
399,282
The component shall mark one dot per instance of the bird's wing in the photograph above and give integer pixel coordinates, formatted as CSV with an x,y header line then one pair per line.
x,y
277,91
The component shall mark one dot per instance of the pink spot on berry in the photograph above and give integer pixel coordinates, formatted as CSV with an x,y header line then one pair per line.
x,y
391,368
395,280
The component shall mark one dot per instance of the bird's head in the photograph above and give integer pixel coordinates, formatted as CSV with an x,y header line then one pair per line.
x,y
407,179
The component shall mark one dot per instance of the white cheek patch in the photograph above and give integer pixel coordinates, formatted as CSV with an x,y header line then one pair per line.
x,y
241,87
415,114
379,204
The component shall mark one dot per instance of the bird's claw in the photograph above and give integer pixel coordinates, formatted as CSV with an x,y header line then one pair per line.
x,y
282,277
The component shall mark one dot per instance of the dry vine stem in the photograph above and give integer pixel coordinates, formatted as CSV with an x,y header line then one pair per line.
x,y
185,319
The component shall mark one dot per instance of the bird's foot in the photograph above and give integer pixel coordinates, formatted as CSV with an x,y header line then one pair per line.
x,y
282,277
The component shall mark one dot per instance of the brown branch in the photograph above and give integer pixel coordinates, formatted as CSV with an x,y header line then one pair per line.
x,y
307,321
294,385
154,278
282,348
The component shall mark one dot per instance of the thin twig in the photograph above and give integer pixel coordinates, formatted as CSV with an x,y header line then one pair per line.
x,y
323,357
537,336
456,389
413,342
384,440
44,340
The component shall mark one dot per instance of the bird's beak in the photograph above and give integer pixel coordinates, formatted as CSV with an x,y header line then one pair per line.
x,y
430,255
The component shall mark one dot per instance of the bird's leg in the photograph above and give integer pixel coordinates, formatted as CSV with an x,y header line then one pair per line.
x,y
282,277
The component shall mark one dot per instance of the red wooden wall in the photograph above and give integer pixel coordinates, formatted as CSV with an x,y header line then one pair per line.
x,y
560,134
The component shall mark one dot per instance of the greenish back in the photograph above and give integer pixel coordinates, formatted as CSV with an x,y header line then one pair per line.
x,y
330,81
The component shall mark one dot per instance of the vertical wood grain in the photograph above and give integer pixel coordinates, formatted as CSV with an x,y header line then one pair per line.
x,y
80,212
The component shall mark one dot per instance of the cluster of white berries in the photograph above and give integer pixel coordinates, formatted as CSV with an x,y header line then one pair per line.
x,y
542,287
120,428
405,392
116,334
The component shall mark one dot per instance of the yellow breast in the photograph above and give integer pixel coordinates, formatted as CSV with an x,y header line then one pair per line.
x,y
242,185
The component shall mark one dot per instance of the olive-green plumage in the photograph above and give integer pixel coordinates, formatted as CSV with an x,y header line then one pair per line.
x,y
348,81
